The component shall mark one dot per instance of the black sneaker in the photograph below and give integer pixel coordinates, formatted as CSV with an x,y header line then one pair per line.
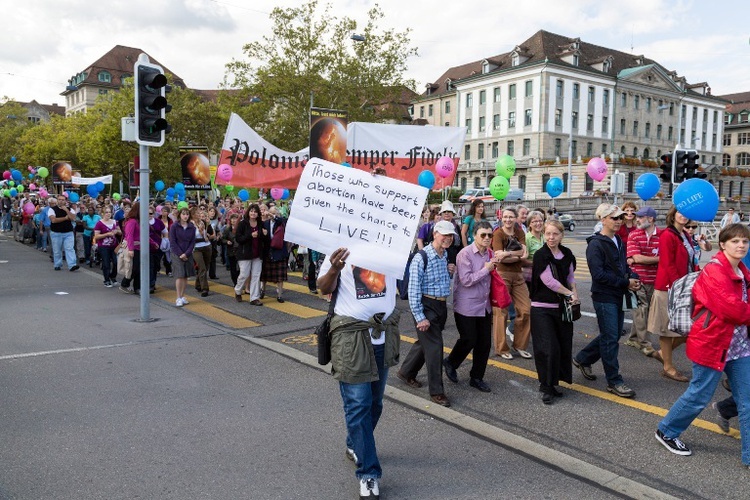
x,y
74,268
450,372
673,444
585,370
621,390
369,489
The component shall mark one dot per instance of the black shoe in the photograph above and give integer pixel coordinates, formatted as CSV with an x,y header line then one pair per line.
x,y
621,390
57,269
585,370
152,290
450,372
547,398
673,444
238,298
280,300
480,384
314,292
204,293
74,268
256,302
441,399
557,393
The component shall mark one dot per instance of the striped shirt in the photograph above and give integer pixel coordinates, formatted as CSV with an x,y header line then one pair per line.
x,y
434,280
640,243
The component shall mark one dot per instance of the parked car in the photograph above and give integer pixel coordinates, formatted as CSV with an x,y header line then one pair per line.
x,y
514,194
568,222
481,193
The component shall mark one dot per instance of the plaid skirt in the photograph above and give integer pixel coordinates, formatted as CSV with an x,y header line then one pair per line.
x,y
274,271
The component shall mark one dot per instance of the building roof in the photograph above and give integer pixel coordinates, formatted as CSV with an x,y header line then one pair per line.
x,y
118,62
548,47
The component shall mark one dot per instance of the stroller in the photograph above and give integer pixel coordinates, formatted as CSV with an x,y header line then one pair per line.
x,y
296,259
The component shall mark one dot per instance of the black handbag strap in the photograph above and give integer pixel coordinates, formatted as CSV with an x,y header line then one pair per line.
x,y
334,296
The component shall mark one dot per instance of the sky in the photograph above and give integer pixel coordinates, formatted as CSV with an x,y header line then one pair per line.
x,y
45,42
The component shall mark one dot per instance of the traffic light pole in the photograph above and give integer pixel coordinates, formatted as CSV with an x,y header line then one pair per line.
x,y
145,258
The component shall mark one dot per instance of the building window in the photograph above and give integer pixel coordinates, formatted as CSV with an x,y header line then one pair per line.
x,y
705,117
636,102
671,109
622,151
485,67
447,107
646,153
529,88
658,131
477,182
468,125
635,128
526,147
576,91
743,160
588,183
558,146
447,124
726,160
589,148
429,110
622,126
574,119
545,180
480,151
512,91
512,119
623,100
648,104
482,97
495,149
481,123
574,148
635,152
575,59
511,148
670,133
522,182
647,132
560,89
558,118
102,91
591,94
590,123
604,148
713,141
467,152
605,97
495,122
742,138
421,111
496,93
104,76
527,118
469,100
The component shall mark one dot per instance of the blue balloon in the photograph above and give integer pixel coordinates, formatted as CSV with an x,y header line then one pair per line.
x,y
426,179
159,185
555,187
170,192
181,196
16,174
285,195
346,164
12,159
73,197
31,176
647,186
99,186
697,199
92,191
179,187
243,195
13,192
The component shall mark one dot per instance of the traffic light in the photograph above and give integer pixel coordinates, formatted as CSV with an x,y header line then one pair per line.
x,y
692,166
667,169
680,164
150,104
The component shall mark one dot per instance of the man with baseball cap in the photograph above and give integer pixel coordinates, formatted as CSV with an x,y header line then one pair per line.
x,y
643,258
611,278
429,287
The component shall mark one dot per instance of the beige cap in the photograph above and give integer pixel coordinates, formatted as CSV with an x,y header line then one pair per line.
x,y
444,227
608,210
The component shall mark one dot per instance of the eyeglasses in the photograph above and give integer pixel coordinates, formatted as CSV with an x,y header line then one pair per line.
x,y
619,217
484,235
691,227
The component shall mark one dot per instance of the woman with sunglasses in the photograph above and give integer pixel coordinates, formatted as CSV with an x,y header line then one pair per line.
x,y
700,243
471,306
676,259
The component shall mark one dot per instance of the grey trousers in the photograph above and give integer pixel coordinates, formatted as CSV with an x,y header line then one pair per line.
x,y
428,349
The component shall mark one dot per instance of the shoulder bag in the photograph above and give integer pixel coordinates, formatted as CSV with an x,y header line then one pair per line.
x,y
571,311
323,331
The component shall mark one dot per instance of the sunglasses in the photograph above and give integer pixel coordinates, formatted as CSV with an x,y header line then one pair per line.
x,y
619,217
691,227
484,235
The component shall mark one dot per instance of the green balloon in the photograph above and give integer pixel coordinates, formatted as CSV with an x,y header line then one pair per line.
x,y
229,188
6,193
11,183
499,187
42,172
182,204
19,188
116,196
505,166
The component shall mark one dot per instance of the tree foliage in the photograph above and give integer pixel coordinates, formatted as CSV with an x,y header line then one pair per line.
x,y
310,56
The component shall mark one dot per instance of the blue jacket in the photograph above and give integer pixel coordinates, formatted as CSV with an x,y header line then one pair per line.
x,y
610,273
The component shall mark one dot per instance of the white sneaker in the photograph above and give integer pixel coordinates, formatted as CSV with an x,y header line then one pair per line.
x,y
509,336
369,489
184,301
351,455
179,302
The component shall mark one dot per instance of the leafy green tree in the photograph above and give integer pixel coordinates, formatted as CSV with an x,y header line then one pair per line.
x,y
311,56
13,123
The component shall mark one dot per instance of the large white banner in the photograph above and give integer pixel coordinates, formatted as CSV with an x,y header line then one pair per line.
x,y
375,217
84,181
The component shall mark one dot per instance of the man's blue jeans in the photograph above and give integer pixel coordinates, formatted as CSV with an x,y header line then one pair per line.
x,y
699,394
66,242
605,346
363,404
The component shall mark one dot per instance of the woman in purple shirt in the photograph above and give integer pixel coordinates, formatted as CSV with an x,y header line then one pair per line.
x,y
472,308
552,280
182,242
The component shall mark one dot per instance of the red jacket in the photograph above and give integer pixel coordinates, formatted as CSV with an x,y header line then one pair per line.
x,y
673,260
719,290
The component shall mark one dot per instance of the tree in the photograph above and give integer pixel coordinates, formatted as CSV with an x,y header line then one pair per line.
x,y
311,57
13,123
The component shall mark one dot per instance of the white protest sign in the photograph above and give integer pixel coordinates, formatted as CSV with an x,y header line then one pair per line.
x,y
373,216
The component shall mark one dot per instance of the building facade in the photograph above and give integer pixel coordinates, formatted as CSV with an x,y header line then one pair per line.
x,y
734,181
554,97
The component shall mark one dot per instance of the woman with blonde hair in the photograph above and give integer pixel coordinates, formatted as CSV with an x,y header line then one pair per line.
x,y
202,250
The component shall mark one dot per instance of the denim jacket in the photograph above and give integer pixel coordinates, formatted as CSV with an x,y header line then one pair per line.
x,y
352,354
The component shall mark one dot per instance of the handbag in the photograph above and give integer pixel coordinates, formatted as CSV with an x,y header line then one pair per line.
x,y
571,311
124,261
323,331
277,242
629,301
513,244
499,295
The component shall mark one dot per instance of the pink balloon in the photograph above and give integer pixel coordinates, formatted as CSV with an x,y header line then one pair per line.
x,y
66,194
29,208
444,167
32,186
31,169
43,193
277,193
6,175
597,168
224,172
